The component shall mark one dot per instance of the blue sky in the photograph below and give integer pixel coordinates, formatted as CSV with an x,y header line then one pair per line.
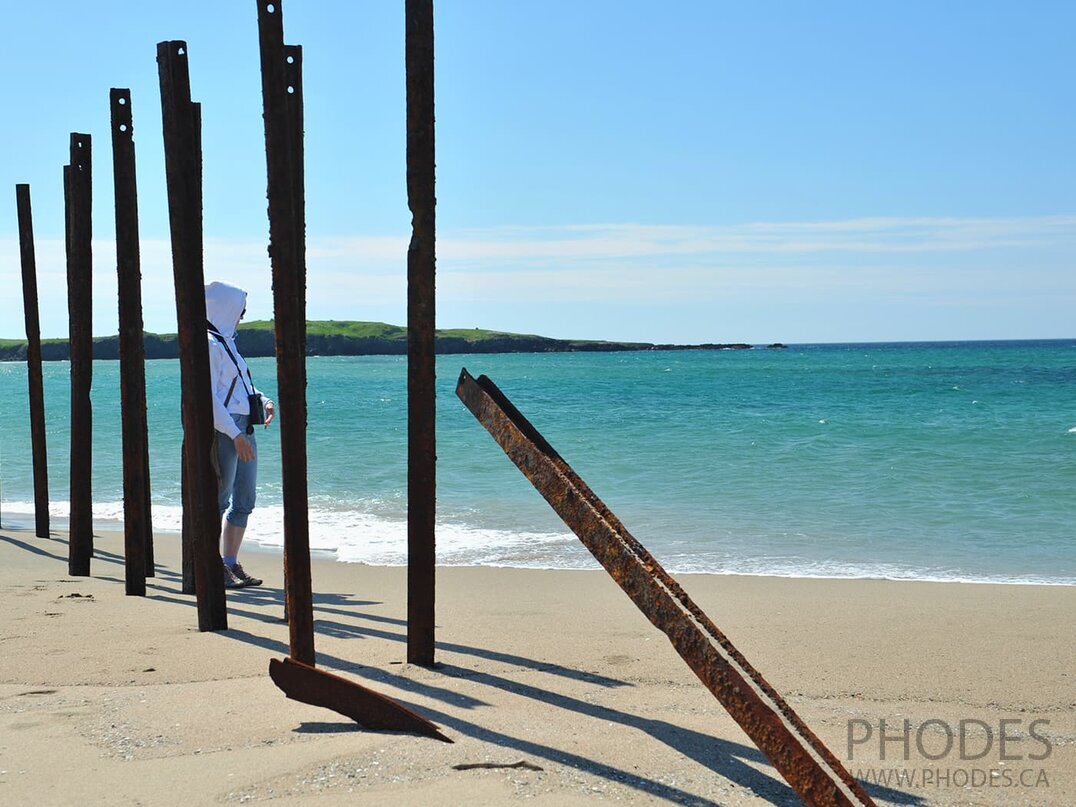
x,y
669,172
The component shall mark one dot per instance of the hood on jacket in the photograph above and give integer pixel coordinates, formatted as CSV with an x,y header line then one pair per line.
x,y
224,304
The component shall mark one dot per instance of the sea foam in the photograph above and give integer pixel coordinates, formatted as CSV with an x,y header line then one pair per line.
x,y
352,536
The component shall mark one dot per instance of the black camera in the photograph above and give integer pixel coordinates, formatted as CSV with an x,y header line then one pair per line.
x,y
257,410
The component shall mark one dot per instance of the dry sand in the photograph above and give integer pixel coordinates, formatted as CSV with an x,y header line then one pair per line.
x,y
108,699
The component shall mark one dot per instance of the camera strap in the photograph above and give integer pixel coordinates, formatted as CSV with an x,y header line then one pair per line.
x,y
239,373
231,389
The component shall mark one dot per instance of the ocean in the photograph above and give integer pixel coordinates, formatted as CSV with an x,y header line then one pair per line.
x,y
912,461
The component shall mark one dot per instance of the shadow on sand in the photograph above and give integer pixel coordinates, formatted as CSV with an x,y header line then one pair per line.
x,y
341,617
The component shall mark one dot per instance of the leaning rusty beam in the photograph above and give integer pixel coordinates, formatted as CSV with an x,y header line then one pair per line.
x,y
78,183
138,535
282,102
801,758
33,361
369,709
421,371
181,121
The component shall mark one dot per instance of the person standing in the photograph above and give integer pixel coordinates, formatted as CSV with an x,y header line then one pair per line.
x,y
238,406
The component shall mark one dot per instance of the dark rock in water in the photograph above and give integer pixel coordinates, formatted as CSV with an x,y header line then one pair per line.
x,y
778,345
706,346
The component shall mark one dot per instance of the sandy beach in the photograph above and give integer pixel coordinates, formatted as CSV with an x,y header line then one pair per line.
x,y
551,681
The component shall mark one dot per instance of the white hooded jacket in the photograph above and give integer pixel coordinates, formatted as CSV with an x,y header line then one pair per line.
x,y
224,305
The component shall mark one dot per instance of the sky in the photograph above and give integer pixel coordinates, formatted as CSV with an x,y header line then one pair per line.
x,y
687,172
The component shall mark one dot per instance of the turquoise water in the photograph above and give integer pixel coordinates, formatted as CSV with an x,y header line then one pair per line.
x,y
952,461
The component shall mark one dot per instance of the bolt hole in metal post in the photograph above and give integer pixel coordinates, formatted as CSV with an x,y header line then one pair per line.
x,y
121,101
123,127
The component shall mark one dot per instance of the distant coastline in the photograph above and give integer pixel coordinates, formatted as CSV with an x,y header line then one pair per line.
x,y
350,338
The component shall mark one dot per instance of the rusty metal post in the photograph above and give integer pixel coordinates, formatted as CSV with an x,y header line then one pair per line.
x,y
187,535
137,530
186,539
182,151
421,369
147,502
282,103
78,182
33,361
801,758
189,552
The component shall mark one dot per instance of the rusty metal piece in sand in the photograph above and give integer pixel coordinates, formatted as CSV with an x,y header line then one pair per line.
x,y
369,709
522,765
799,756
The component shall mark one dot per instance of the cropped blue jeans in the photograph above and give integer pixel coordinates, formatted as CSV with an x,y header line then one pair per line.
x,y
238,480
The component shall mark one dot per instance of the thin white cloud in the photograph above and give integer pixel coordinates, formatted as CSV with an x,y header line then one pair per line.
x,y
610,264
868,235
584,243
